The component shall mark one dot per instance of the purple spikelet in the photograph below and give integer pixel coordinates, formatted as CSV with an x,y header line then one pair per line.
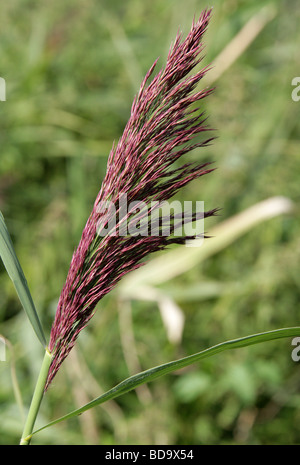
x,y
159,132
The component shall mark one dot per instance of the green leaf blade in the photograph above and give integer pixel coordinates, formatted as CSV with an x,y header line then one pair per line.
x,y
153,373
16,274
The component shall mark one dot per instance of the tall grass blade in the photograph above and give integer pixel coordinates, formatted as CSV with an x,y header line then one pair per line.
x,y
15,272
153,373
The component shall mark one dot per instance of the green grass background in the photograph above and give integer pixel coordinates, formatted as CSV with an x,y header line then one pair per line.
x,y
72,69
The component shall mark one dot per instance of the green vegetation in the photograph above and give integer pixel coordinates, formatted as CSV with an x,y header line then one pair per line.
x,y
71,71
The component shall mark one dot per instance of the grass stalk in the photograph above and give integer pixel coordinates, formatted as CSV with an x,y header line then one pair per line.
x,y
36,400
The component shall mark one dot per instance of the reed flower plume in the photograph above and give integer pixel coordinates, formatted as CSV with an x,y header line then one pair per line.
x,y
144,166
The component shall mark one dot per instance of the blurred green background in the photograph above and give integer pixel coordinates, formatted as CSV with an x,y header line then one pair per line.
x,y
72,69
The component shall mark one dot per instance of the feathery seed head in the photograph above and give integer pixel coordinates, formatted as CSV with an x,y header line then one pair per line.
x,y
144,167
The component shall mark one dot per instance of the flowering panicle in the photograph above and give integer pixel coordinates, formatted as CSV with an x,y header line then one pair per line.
x,y
144,167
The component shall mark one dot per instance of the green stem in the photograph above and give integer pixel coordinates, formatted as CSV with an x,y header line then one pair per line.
x,y
36,399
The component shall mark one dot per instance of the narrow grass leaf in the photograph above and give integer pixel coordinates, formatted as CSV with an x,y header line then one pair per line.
x,y
153,373
15,272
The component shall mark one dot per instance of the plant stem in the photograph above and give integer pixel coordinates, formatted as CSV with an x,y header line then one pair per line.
x,y
36,399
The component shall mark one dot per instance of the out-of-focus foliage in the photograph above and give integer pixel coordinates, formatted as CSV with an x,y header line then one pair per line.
x,y
71,70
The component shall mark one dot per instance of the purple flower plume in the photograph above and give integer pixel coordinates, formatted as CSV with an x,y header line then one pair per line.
x,y
144,166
